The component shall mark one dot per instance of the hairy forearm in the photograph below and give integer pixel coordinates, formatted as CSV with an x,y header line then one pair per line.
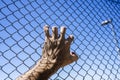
x,y
44,69
41,71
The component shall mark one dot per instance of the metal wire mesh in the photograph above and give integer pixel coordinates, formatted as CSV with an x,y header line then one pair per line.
x,y
22,37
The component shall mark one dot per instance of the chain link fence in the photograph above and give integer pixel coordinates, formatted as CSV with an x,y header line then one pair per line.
x,y
22,36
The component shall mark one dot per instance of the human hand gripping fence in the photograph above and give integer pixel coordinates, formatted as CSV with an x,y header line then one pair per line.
x,y
55,54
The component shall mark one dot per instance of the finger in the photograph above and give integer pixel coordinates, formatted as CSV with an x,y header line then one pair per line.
x,y
62,32
70,39
54,32
46,30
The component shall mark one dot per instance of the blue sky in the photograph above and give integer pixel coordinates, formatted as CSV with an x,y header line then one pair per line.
x,y
22,36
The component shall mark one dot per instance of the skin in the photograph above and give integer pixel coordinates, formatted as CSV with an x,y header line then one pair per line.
x,y
55,54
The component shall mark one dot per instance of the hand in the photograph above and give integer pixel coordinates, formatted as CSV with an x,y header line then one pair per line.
x,y
57,49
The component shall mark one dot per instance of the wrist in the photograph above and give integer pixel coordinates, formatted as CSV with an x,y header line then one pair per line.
x,y
45,68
